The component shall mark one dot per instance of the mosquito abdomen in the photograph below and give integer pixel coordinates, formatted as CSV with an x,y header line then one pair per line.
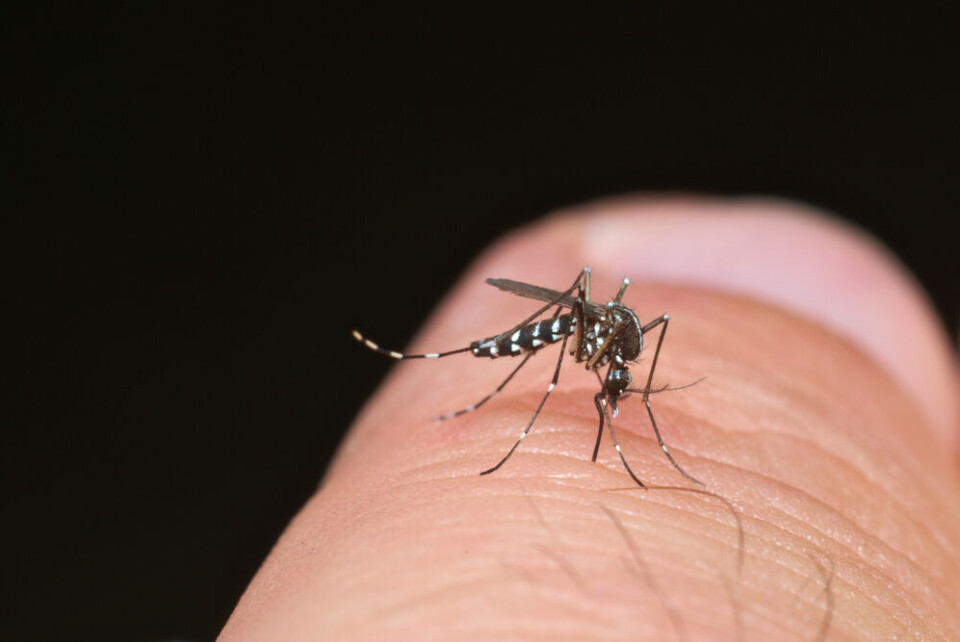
x,y
527,339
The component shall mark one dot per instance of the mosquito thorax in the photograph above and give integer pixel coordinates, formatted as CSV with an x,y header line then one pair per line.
x,y
629,341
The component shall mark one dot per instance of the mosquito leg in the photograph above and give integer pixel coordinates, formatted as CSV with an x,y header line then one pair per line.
x,y
503,384
623,288
585,290
665,320
596,447
553,384
598,399
580,320
464,411
399,355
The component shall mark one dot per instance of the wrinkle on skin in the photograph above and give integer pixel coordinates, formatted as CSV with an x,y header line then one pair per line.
x,y
814,442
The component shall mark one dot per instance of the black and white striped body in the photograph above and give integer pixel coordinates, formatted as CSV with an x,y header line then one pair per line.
x,y
529,338
626,343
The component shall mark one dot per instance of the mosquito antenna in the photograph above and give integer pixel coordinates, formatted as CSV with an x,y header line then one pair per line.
x,y
663,388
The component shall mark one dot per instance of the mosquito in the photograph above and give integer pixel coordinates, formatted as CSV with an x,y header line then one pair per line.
x,y
601,337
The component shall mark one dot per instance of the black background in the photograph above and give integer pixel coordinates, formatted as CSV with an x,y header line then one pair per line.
x,y
202,204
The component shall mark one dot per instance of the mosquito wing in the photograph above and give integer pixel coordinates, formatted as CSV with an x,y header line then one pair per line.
x,y
529,291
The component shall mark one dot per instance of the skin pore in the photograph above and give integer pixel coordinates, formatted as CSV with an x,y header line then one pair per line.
x,y
832,500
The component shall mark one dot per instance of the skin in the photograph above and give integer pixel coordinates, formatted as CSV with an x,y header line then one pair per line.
x,y
828,422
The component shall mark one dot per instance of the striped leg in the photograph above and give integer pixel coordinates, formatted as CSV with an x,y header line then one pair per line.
x,y
665,320
596,447
650,391
553,384
399,355
623,288
580,315
502,385
591,365
599,400
464,411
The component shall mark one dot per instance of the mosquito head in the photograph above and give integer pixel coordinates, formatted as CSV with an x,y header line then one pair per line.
x,y
617,381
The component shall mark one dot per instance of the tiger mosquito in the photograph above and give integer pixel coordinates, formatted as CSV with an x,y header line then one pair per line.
x,y
600,336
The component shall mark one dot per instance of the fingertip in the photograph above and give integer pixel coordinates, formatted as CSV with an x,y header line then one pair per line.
x,y
407,500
